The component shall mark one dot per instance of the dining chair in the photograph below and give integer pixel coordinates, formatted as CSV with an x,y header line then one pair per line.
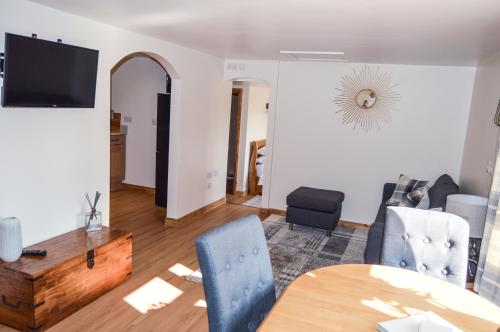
x,y
237,275
431,242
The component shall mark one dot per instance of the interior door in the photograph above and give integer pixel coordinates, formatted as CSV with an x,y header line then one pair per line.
x,y
234,141
162,147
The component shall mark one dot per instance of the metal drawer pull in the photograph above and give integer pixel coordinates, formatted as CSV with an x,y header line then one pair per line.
x,y
90,259
14,306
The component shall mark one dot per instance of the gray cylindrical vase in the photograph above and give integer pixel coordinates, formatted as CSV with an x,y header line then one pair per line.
x,y
11,243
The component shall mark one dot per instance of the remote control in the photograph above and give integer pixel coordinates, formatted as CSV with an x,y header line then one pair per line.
x,y
35,252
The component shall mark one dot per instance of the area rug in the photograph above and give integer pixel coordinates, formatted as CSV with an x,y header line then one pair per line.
x,y
295,252
255,201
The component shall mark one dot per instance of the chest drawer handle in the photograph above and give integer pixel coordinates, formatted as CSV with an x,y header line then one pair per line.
x,y
10,305
90,259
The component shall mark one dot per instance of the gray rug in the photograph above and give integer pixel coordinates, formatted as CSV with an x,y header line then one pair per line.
x,y
304,249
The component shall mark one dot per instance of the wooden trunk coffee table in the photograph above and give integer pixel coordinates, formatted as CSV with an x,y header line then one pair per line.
x,y
357,297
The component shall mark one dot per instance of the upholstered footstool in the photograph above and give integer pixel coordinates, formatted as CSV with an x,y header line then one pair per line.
x,y
315,208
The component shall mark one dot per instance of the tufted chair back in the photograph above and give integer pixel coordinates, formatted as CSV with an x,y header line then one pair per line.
x,y
237,275
431,242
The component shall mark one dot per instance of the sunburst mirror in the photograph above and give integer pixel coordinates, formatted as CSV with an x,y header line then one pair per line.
x,y
366,98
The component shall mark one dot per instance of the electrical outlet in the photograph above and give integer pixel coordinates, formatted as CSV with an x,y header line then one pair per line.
x,y
232,66
209,175
216,172
209,185
242,66
127,119
153,122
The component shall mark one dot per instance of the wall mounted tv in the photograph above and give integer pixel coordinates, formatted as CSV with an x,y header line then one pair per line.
x,y
42,73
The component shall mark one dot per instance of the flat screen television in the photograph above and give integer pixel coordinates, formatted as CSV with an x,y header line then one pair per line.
x,y
42,73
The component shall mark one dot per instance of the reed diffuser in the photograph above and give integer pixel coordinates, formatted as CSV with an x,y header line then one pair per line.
x,y
93,219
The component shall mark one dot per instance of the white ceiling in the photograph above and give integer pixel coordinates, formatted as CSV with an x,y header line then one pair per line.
x,y
441,32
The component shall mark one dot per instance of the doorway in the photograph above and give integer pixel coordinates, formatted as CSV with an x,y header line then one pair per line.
x,y
234,140
140,127
247,142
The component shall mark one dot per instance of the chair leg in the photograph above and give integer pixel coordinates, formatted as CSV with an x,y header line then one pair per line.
x,y
329,233
290,226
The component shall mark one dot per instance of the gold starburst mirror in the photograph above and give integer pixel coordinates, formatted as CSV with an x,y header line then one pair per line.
x,y
366,98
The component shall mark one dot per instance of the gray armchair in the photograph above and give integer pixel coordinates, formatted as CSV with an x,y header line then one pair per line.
x,y
430,242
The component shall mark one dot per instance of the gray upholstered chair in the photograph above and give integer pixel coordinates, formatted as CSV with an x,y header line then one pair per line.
x,y
237,275
434,243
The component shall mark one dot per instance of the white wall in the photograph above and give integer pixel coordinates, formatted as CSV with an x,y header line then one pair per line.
x,y
253,125
312,147
51,157
257,112
482,134
242,174
135,86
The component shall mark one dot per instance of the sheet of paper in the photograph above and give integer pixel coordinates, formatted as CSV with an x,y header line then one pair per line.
x,y
422,322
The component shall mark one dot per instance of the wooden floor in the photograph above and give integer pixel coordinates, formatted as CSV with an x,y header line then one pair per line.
x,y
237,199
157,248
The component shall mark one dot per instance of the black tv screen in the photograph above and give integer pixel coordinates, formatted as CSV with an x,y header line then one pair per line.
x,y
41,73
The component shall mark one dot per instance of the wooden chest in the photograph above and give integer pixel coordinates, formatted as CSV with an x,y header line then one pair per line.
x,y
36,293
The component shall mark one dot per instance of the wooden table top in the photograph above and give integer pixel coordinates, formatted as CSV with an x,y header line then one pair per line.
x,y
357,297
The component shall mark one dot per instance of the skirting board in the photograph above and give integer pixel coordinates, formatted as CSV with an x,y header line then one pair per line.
x,y
181,221
240,193
342,222
274,211
134,186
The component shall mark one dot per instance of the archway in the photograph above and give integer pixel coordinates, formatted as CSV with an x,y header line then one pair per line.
x,y
142,85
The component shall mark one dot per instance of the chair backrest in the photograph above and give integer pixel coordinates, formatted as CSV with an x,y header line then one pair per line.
x,y
434,243
237,275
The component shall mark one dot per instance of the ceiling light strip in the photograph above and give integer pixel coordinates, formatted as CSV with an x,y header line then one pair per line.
x,y
326,60
312,52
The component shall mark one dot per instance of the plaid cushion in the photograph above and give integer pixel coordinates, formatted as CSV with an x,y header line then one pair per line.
x,y
405,186
420,197
416,195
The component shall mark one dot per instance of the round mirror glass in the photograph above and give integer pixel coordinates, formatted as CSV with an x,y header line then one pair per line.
x,y
366,98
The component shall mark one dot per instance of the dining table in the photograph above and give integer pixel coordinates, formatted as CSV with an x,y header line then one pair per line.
x,y
356,297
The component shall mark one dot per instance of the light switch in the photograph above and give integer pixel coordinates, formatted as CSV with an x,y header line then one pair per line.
x,y
127,119
153,122
490,168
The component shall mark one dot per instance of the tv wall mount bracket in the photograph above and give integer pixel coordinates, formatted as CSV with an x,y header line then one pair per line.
x,y
2,61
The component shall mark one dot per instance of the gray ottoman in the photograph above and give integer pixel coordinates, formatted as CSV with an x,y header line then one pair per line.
x,y
315,208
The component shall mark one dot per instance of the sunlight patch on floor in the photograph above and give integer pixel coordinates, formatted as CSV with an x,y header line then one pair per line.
x,y
180,270
201,304
153,295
